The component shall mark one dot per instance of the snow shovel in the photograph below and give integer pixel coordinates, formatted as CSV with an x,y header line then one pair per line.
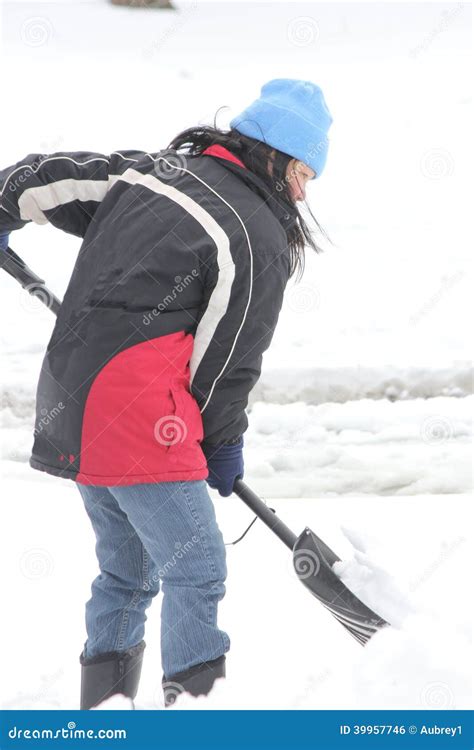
x,y
312,558
313,561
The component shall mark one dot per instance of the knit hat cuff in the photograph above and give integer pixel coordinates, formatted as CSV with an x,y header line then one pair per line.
x,y
290,133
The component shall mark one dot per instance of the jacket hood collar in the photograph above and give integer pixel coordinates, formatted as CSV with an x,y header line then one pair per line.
x,y
285,212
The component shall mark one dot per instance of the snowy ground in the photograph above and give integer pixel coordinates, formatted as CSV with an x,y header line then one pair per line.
x,y
360,424
287,651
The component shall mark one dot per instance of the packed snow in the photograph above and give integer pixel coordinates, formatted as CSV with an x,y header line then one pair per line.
x,y
407,557
360,426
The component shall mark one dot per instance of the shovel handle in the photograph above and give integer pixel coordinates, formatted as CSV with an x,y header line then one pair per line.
x,y
266,514
33,284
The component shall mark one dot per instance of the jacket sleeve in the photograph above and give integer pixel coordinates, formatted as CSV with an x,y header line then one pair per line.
x,y
64,189
244,296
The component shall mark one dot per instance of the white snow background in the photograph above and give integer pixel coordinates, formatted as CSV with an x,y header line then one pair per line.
x,y
360,425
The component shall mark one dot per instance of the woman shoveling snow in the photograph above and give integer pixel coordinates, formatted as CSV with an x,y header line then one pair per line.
x,y
174,297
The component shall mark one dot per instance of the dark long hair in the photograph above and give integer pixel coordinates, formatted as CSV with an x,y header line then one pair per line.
x,y
255,154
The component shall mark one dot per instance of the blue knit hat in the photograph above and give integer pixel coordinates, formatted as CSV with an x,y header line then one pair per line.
x,y
291,116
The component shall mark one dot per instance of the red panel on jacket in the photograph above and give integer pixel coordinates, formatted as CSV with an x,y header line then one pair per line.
x,y
141,423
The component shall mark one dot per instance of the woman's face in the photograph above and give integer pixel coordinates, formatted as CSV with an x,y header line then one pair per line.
x,y
297,174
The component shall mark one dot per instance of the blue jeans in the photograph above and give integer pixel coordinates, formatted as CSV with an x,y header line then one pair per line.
x,y
151,536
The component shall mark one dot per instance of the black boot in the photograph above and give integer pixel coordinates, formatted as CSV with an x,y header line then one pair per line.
x,y
197,680
111,673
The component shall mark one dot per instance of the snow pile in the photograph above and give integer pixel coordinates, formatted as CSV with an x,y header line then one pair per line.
x,y
317,385
412,667
409,447
403,654
298,656
426,656
405,447
374,586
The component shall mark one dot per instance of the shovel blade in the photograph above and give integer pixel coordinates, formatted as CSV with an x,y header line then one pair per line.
x,y
313,561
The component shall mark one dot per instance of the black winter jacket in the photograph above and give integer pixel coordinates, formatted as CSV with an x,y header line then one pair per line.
x,y
174,297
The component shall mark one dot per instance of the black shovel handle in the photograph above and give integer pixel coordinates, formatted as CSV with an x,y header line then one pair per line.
x,y
33,284
268,516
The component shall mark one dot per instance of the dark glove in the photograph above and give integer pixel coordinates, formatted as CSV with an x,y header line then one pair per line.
x,y
226,464
4,239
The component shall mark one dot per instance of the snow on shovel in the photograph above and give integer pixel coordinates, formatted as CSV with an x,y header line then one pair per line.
x,y
313,560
